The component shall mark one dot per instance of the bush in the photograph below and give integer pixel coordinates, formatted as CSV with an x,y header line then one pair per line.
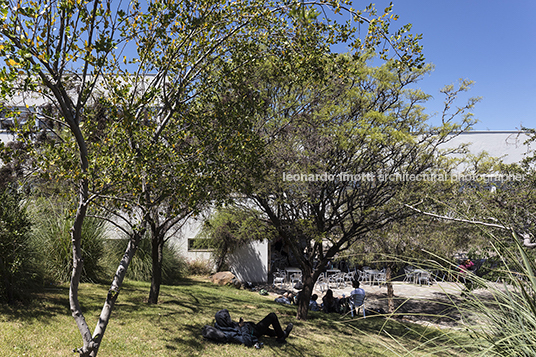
x,y
51,234
140,268
17,258
199,267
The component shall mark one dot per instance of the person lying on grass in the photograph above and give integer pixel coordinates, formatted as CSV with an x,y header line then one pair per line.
x,y
246,333
287,298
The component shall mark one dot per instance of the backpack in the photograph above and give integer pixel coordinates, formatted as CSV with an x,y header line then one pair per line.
x,y
213,334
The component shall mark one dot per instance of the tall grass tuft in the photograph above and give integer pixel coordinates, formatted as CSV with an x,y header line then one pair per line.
x,y
51,236
510,315
174,267
498,316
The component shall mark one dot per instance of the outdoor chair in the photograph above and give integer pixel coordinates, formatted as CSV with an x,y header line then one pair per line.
x,y
295,278
279,278
349,277
425,277
357,301
409,275
380,277
361,276
322,283
337,280
368,275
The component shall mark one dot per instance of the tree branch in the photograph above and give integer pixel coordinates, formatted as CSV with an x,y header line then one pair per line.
x,y
527,240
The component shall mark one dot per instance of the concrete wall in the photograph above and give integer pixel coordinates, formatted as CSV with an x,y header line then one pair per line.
x,y
251,262
5,137
248,263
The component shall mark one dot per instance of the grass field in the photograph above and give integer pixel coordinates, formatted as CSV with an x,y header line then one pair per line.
x,y
173,327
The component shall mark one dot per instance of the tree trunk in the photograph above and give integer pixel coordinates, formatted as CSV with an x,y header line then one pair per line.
x,y
113,292
78,263
305,295
157,253
390,290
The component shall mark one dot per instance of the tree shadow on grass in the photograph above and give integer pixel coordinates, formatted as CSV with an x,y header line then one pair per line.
x,y
41,305
188,338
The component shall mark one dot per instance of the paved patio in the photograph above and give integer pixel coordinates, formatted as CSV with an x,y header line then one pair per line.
x,y
405,290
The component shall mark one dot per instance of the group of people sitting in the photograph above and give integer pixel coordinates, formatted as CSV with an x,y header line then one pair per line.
x,y
330,303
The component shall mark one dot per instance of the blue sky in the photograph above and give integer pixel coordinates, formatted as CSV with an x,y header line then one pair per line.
x,y
491,42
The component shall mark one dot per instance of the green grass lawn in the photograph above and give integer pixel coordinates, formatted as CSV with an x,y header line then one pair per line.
x,y
173,327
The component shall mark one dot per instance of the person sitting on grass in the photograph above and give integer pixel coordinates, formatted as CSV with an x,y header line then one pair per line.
x,y
313,305
246,333
329,302
466,266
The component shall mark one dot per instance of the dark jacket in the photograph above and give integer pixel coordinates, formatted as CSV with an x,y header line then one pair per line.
x,y
233,331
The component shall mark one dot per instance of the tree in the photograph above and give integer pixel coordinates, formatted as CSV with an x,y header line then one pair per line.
x,y
57,50
491,194
338,170
199,103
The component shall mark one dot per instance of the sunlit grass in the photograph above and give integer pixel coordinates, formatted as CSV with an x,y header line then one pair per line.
x,y
173,327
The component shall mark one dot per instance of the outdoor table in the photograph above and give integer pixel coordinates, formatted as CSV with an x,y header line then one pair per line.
x,y
291,270
371,275
417,274
333,271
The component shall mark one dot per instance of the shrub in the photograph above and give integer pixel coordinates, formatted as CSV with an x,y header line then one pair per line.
x,y
199,267
17,258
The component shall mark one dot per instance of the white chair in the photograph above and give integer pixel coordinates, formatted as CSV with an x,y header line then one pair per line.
x,y
425,276
357,301
349,277
409,275
279,278
362,276
380,277
322,283
368,275
295,278
336,279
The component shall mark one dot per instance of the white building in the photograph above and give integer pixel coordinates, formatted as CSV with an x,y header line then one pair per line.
x,y
509,146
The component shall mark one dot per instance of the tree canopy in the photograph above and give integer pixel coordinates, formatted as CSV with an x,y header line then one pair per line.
x,y
344,164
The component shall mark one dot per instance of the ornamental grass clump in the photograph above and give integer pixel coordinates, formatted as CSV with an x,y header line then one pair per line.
x,y
510,313
498,316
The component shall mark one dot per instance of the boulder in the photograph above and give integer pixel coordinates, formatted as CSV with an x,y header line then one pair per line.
x,y
223,278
